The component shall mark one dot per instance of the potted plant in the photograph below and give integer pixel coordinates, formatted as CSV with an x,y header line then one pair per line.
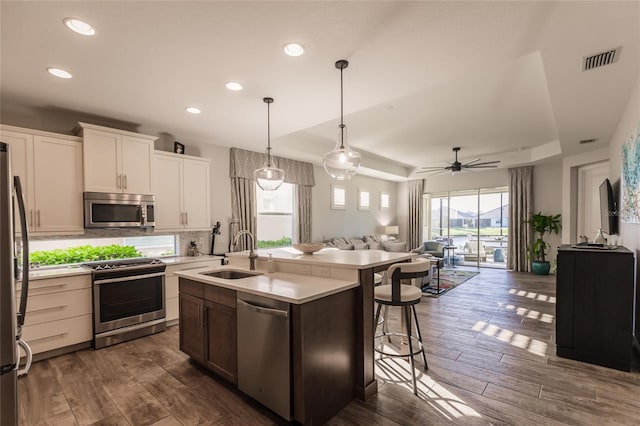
x,y
542,224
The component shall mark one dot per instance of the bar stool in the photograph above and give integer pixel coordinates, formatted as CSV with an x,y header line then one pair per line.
x,y
406,297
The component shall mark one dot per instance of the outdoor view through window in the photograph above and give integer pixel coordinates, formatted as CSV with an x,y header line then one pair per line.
x,y
473,224
275,216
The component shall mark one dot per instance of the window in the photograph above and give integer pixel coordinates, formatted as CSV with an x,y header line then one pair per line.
x,y
384,201
363,199
474,221
275,216
338,197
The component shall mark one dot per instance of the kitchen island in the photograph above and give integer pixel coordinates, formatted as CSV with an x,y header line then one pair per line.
x,y
338,264
287,341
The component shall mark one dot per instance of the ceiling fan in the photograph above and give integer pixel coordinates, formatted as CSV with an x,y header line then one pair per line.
x,y
457,166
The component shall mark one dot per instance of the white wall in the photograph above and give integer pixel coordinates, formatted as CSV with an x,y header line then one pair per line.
x,y
629,234
351,222
547,197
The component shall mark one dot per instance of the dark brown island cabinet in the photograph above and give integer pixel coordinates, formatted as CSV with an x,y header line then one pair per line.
x,y
595,299
323,345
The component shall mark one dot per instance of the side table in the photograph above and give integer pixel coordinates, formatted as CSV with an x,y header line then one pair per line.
x,y
439,264
449,252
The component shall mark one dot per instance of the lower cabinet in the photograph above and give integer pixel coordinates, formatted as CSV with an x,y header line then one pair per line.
x,y
171,285
208,327
59,314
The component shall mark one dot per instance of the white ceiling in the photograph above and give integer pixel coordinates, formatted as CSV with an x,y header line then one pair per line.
x,y
502,80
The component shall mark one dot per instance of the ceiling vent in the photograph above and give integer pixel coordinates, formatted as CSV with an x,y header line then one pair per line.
x,y
601,59
586,141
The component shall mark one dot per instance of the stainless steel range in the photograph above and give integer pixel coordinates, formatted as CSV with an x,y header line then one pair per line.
x,y
128,299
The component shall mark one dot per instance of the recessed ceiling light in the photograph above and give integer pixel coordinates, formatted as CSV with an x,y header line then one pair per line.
x,y
59,73
232,85
293,49
193,110
79,26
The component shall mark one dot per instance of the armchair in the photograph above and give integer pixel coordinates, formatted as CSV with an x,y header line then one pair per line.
x,y
434,248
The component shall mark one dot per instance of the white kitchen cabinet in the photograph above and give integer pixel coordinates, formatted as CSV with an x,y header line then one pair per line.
x,y
59,313
117,161
50,170
182,192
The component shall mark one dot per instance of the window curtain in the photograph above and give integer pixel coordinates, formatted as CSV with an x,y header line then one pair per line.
x,y
414,233
520,209
243,192
303,213
243,210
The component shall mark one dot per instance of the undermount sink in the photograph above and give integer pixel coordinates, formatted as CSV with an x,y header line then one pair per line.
x,y
230,274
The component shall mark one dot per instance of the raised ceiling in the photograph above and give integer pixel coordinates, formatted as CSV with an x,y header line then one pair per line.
x,y
502,80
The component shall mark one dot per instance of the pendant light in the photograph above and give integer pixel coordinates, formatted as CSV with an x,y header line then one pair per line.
x,y
268,177
342,162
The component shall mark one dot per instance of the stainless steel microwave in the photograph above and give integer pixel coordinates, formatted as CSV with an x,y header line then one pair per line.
x,y
107,210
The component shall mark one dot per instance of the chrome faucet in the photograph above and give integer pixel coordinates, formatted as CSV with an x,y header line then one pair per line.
x,y
252,255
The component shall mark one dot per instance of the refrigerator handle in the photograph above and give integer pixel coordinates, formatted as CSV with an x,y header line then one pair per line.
x,y
22,212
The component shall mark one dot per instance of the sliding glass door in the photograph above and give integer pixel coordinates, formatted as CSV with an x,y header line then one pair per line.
x,y
474,221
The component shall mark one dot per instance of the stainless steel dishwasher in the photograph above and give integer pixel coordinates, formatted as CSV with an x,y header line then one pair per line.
x,y
264,354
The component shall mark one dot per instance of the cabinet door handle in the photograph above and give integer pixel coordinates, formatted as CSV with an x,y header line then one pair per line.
x,y
200,310
119,181
186,218
30,217
38,218
204,316
125,182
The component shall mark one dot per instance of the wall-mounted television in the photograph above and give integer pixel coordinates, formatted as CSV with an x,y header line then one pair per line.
x,y
608,212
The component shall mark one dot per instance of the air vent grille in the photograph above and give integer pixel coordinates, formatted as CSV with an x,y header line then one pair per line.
x,y
601,59
586,141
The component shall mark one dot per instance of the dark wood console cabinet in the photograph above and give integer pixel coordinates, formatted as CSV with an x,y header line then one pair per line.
x,y
595,297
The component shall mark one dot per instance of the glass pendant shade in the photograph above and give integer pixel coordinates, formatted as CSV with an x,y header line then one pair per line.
x,y
268,177
342,162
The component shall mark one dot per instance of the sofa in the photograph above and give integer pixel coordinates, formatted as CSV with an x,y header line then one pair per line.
x,y
371,242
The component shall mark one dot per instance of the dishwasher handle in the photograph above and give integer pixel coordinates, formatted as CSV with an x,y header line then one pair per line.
x,y
263,310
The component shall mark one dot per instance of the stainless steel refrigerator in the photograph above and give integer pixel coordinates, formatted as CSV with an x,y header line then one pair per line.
x,y
11,319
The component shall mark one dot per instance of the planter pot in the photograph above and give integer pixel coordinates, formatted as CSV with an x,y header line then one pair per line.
x,y
540,268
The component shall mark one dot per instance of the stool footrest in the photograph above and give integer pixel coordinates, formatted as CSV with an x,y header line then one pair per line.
x,y
417,349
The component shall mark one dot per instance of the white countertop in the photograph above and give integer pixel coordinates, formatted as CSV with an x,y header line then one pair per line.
x,y
291,288
358,259
66,271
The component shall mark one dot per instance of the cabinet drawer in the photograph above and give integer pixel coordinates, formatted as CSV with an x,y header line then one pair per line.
x,y
191,287
191,265
220,295
56,306
172,309
58,334
52,285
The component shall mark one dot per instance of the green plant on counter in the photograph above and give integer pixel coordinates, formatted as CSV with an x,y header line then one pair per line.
x,y
282,242
82,254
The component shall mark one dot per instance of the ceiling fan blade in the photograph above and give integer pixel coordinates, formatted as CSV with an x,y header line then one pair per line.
x,y
482,164
480,167
426,169
472,161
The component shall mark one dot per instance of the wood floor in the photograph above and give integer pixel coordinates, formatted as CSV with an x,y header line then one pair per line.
x,y
490,349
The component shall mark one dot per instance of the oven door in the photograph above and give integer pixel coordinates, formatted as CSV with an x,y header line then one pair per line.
x,y
128,300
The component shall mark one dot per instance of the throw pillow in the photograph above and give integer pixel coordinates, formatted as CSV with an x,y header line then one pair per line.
x,y
395,247
339,243
373,244
359,245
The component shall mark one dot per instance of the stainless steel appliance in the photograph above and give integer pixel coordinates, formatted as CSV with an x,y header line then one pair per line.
x,y
128,299
106,210
264,351
11,321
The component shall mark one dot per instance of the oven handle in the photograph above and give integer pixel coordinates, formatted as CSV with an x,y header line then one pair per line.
x,y
129,278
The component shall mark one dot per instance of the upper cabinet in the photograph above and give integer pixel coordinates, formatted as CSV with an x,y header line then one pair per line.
x,y
50,170
182,192
117,160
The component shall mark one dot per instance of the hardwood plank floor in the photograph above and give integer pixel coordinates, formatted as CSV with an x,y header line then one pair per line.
x,y
490,349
